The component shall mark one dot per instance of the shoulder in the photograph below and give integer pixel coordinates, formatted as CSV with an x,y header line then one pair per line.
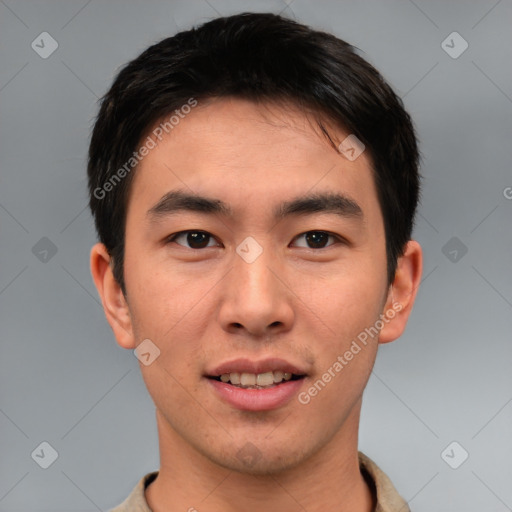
x,y
136,501
388,498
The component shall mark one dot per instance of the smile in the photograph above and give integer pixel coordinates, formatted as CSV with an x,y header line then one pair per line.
x,y
257,380
256,385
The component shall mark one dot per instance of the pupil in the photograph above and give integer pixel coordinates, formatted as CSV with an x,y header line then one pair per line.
x,y
197,240
317,239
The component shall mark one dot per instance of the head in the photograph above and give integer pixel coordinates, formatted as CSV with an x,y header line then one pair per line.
x,y
233,224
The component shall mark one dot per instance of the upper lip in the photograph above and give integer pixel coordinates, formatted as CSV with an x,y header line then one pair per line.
x,y
243,365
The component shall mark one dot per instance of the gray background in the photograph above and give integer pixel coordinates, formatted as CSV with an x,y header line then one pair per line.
x,y
65,381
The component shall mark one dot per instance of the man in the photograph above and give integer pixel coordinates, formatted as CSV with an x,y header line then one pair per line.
x,y
253,184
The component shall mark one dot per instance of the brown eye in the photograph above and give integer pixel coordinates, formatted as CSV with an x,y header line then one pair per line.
x,y
193,239
316,239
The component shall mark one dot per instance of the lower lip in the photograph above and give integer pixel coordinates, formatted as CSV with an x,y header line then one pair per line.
x,y
264,399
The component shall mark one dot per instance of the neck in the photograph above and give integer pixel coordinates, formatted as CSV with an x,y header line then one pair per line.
x,y
330,479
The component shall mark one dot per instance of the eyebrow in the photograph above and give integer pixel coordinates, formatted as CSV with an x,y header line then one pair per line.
x,y
178,200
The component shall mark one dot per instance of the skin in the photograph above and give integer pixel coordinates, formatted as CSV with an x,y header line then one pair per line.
x,y
202,307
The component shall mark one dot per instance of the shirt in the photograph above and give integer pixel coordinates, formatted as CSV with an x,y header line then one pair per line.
x,y
388,499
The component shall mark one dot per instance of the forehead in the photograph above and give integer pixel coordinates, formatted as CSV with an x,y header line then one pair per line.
x,y
248,154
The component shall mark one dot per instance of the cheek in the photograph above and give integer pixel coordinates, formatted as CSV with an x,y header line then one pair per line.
x,y
344,301
157,290
345,351
341,310
168,308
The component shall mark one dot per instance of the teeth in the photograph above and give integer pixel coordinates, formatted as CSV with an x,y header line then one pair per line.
x,y
278,376
247,379
252,380
265,379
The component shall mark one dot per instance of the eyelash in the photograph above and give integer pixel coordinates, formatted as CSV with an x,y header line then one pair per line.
x,y
173,238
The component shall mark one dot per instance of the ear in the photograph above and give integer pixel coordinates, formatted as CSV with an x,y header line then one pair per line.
x,y
402,293
112,297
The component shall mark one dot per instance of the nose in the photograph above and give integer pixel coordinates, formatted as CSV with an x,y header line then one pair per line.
x,y
256,299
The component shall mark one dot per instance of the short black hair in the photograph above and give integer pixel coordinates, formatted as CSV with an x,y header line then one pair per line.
x,y
261,57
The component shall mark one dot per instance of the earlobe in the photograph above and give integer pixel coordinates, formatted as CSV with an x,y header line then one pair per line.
x,y
112,297
402,293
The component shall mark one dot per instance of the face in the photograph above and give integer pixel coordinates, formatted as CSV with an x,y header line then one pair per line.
x,y
254,250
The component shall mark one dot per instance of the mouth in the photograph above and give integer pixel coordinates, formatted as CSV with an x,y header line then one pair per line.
x,y
264,380
256,385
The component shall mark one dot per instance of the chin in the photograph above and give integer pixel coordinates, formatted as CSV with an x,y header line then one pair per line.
x,y
250,460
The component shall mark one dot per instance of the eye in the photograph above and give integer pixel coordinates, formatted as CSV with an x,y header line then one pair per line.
x,y
194,239
316,239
